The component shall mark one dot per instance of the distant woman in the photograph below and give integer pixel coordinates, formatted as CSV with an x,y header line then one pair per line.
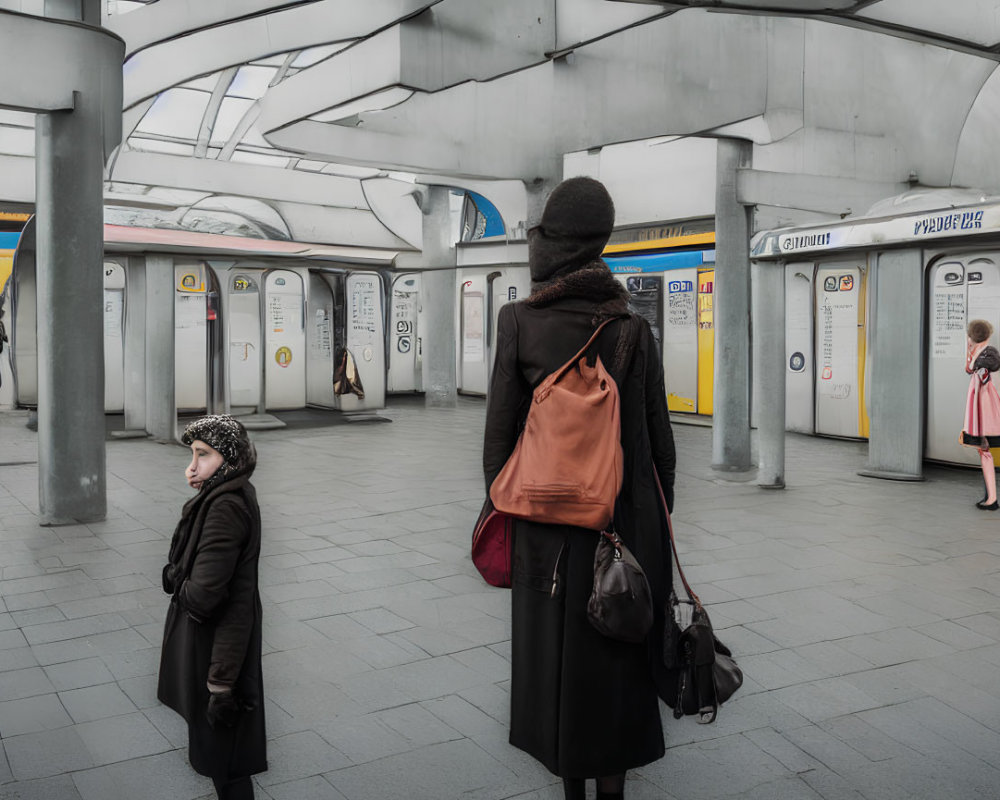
x,y
982,406
210,666
584,705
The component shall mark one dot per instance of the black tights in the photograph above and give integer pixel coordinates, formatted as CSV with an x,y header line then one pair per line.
x,y
610,787
236,789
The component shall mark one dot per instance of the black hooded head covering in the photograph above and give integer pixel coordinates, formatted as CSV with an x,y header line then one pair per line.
x,y
227,435
576,224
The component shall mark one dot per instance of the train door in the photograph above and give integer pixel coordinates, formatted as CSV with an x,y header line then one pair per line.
x,y
284,340
800,380
960,289
472,336
243,318
840,349
364,343
706,342
190,336
680,340
647,300
324,290
405,352
23,320
114,337
502,287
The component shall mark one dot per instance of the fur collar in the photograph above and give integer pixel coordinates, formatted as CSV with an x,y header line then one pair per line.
x,y
593,282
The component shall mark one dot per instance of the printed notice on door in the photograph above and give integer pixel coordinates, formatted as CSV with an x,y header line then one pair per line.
x,y
948,339
680,306
472,327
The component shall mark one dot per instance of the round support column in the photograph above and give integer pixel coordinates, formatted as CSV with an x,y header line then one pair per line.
x,y
438,296
769,375
69,201
731,307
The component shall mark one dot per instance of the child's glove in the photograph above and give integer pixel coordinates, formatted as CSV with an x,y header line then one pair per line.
x,y
171,572
223,709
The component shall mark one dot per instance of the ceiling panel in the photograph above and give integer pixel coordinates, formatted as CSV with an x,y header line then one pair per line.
x,y
975,21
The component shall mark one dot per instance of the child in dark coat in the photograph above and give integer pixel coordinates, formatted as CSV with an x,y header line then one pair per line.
x,y
210,665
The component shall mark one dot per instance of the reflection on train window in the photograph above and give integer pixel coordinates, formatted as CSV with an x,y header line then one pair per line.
x,y
642,284
647,301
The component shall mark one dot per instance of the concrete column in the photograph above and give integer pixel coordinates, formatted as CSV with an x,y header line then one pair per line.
x,y
895,394
769,375
439,296
69,201
135,347
731,423
161,397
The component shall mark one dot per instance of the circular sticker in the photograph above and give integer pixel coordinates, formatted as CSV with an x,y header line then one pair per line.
x,y
368,354
797,362
283,356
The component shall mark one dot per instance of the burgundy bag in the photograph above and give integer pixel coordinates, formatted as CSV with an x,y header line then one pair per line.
x,y
492,541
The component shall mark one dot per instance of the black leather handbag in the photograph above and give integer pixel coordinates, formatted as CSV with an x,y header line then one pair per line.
x,y
704,674
621,604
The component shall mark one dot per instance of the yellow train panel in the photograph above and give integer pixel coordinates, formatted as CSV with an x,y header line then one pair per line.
x,y
706,342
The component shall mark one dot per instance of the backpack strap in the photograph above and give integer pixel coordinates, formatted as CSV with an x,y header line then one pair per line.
x,y
673,544
545,386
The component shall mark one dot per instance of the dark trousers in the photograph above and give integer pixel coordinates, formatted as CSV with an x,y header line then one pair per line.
x,y
236,789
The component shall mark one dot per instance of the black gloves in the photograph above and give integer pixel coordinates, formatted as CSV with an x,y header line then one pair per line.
x,y
171,572
223,709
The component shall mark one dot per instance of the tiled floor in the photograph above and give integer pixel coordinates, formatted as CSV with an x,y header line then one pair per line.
x,y
866,615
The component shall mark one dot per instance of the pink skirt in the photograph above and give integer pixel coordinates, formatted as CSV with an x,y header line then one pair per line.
x,y
982,413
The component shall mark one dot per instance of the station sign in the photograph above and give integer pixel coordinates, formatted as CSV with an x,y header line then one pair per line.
x,y
922,226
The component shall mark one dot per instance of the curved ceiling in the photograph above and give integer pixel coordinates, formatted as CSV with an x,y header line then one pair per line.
x,y
298,103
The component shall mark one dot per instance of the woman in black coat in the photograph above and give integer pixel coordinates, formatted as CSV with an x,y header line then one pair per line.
x,y
584,705
210,665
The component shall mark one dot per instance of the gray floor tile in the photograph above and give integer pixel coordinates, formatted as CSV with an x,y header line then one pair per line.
x,y
121,738
96,702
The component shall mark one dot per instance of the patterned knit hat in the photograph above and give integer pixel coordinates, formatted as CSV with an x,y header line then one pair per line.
x,y
227,435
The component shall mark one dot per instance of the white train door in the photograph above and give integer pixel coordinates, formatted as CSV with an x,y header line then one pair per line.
x,y
503,286
405,352
114,337
800,377
22,320
960,288
364,340
472,335
190,336
243,317
680,339
284,340
320,341
839,340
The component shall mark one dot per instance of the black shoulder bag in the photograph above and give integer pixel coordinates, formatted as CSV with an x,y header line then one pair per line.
x,y
706,673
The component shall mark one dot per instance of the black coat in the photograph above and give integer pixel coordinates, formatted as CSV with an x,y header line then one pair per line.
x,y
582,704
213,628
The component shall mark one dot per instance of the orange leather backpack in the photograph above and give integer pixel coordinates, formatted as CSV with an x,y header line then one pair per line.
x,y
566,468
